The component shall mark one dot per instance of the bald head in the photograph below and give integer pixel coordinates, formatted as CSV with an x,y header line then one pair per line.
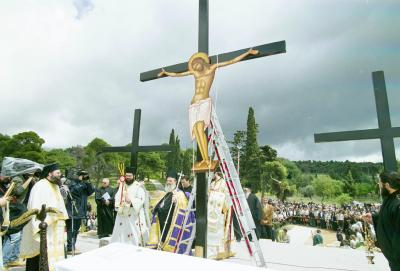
x,y
105,182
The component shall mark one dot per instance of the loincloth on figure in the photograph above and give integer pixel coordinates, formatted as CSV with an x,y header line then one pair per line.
x,y
200,111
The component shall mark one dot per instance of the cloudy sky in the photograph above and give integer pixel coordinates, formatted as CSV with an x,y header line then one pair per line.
x,y
69,70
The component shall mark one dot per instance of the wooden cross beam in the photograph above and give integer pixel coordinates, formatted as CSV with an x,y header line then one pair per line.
x,y
201,187
264,50
134,149
386,133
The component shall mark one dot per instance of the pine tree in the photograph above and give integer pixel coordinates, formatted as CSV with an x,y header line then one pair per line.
x,y
349,185
178,155
251,163
187,161
171,155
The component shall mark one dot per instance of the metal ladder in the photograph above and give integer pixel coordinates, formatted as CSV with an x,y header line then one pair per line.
x,y
238,198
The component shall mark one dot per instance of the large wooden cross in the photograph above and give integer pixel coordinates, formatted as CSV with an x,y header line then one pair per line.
x,y
201,189
386,133
134,149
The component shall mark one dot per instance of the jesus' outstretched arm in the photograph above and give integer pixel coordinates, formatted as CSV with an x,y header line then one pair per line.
x,y
235,60
173,74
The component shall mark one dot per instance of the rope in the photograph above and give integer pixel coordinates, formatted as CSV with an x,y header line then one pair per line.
x,y
193,159
216,84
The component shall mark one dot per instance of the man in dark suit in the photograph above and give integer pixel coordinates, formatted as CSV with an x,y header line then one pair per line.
x,y
255,208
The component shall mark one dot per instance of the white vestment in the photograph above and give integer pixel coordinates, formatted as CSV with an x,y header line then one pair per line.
x,y
45,192
200,111
132,222
218,221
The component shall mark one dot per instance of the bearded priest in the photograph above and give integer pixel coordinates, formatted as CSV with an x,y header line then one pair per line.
x,y
168,217
132,222
46,191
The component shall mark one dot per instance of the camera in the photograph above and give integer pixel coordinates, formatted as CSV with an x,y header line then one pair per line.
x,y
85,177
84,174
75,173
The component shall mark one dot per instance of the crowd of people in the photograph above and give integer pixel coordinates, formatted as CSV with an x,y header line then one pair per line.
x,y
124,214
346,220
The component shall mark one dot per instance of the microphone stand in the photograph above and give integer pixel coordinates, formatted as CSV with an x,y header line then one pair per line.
x,y
73,207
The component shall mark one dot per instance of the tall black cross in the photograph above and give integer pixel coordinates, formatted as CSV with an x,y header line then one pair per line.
x,y
386,133
134,149
201,189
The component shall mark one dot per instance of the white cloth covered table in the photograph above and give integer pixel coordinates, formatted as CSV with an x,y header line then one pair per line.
x,y
118,256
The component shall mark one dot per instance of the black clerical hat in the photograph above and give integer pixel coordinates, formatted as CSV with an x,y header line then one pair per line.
x,y
249,185
82,173
49,168
130,170
172,174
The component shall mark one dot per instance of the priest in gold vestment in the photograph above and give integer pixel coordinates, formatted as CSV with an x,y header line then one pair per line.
x,y
219,220
46,191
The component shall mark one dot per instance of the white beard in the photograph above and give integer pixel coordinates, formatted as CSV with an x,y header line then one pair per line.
x,y
169,187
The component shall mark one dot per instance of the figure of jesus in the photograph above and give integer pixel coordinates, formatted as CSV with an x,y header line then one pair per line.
x,y
201,105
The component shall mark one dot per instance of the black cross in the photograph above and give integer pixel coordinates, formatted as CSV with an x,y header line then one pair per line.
x,y
201,189
386,133
134,149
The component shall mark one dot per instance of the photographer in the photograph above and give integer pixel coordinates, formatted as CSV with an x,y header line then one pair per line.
x,y
79,189
12,238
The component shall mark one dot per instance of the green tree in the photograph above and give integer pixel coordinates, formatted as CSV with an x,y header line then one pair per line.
x,y
237,148
293,172
286,190
363,189
171,162
349,187
178,154
99,166
62,157
26,145
4,140
326,187
344,199
272,175
303,180
78,153
187,161
252,162
307,191
150,165
268,153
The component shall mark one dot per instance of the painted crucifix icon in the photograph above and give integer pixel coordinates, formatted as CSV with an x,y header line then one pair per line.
x,y
201,105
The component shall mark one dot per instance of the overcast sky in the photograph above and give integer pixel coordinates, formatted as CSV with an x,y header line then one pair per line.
x,y
69,70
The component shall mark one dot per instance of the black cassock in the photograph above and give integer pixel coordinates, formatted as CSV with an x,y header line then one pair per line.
x,y
387,228
163,209
256,212
105,214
